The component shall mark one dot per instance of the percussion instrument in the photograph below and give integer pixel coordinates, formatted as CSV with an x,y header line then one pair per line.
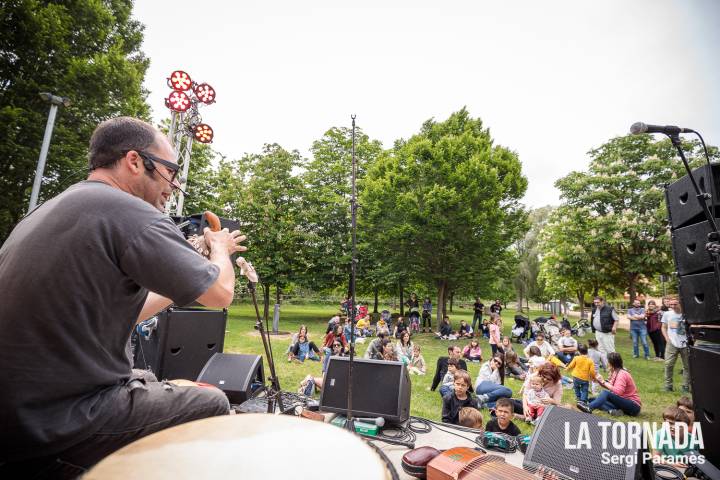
x,y
248,446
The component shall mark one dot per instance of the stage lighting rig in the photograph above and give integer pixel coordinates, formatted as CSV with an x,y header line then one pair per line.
x,y
186,125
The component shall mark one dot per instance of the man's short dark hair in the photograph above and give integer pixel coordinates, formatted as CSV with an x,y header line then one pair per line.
x,y
116,136
599,298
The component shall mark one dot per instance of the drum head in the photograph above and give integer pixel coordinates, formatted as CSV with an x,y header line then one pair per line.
x,y
249,446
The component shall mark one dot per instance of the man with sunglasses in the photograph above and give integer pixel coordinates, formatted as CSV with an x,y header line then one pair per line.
x,y
78,273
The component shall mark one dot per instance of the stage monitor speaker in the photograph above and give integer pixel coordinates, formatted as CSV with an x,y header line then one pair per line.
x,y
379,389
698,297
704,363
682,203
547,448
183,342
235,374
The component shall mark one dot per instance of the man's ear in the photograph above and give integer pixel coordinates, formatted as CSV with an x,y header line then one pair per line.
x,y
132,163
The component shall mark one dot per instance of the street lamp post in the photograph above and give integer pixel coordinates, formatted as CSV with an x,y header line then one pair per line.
x,y
54,102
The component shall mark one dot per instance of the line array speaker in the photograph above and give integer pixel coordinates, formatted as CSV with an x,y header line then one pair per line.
x,y
682,204
379,389
704,362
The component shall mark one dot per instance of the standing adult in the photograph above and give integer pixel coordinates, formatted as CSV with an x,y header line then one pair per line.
x,y
478,309
70,394
638,329
673,329
427,315
604,325
654,329
441,367
496,307
620,395
414,305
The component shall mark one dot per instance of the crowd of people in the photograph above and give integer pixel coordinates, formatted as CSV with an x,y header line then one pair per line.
x,y
593,369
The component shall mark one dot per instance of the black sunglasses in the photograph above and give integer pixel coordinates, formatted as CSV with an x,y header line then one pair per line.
x,y
174,167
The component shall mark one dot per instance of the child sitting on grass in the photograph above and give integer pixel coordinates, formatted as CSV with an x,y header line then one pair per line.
x,y
417,362
502,422
471,417
458,398
583,371
534,394
673,451
449,379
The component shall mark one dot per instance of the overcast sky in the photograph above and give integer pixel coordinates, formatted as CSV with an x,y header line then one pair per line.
x,y
551,79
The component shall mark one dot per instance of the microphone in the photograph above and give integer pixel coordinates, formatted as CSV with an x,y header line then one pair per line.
x,y
379,421
639,127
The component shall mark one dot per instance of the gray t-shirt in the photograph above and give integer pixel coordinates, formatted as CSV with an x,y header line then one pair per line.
x,y
75,274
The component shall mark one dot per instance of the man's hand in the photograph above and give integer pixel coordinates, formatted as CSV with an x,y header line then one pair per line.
x,y
614,328
224,241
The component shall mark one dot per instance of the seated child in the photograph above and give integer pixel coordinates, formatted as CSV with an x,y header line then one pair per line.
x,y
375,348
417,362
305,349
458,397
363,326
583,371
513,367
502,422
446,331
471,417
465,330
686,405
448,380
382,327
472,351
673,451
400,327
533,397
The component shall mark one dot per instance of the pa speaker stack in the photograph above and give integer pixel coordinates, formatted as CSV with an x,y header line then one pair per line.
x,y
690,231
698,294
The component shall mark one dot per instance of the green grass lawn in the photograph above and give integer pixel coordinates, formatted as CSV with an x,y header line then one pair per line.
x,y
241,337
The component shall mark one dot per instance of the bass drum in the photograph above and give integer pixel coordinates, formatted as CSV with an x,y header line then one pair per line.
x,y
249,446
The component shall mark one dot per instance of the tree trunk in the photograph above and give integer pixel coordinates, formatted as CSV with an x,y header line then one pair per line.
x,y
266,300
375,305
402,300
632,287
278,292
520,292
452,298
442,285
581,300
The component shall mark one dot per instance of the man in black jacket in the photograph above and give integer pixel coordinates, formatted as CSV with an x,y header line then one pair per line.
x,y
442,365
604,324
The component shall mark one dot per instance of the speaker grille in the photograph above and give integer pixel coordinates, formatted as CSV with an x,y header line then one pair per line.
x,y
548,447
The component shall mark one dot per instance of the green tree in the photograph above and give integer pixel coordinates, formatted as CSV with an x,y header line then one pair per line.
x,y
88,51
618,212
326,204
447,201
526,281
267,202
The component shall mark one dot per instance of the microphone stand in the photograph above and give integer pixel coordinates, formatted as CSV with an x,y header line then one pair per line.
x,y
713,245
353,212
274,394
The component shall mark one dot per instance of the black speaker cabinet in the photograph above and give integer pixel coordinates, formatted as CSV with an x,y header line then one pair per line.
x,y
235,374
183,342
699,299
705,377
682,204
559,427
379,389
688,247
